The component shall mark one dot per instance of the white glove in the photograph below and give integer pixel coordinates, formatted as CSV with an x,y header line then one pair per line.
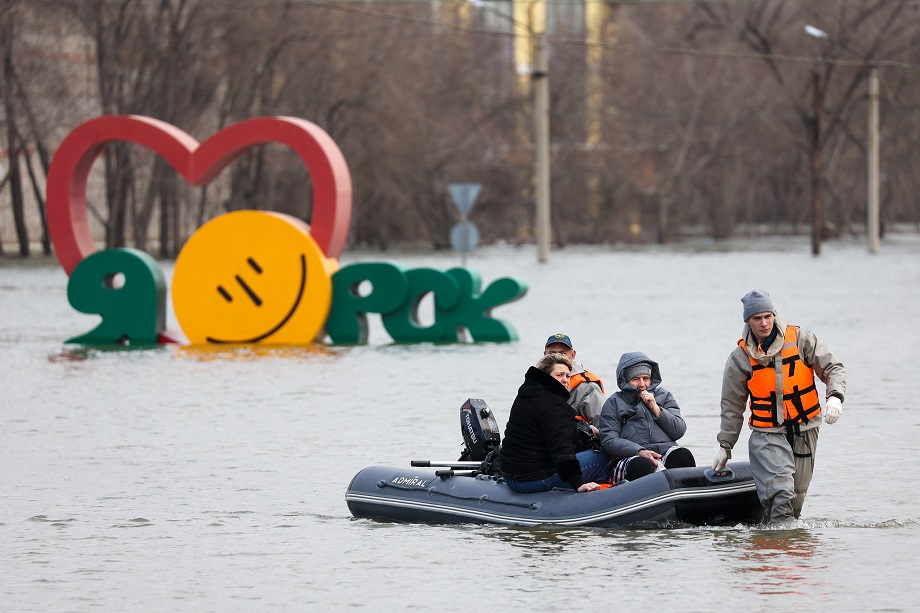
x,y
722,458
833,410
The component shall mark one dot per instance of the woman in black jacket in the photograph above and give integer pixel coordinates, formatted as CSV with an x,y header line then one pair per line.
x,y
538,449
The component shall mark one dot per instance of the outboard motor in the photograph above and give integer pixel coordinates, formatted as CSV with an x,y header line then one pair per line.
x,y
479,429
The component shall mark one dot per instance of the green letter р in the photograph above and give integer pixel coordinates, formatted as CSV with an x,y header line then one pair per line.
x,y
133,311
403,323
347,322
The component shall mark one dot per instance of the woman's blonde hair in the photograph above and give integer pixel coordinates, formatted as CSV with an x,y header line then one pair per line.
x,y
547,362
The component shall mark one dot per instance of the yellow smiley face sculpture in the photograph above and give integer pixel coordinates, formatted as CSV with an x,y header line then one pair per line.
x,y
252,277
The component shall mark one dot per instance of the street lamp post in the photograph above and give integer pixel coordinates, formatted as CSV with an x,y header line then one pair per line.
x,y
872,141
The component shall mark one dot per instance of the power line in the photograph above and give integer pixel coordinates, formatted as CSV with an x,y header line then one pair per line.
x,y
811,60
250,4
349,6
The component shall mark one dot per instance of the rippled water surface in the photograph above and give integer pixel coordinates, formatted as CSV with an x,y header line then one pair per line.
x,y
213,479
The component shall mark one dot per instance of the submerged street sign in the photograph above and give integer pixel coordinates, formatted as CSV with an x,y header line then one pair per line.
x,y
464,237
464,195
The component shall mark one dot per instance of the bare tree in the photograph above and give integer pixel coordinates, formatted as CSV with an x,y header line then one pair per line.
x,y
667,119
861,33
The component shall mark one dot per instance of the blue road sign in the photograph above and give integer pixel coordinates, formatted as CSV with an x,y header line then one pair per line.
x,y
464,195
464,237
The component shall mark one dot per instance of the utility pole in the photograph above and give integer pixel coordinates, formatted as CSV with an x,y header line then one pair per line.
x,y
816,203
872,157
540,78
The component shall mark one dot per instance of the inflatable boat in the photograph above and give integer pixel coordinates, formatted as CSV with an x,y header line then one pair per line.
x,y
455,494
468,491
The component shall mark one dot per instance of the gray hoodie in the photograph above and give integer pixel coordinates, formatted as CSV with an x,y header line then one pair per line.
x,y
628,426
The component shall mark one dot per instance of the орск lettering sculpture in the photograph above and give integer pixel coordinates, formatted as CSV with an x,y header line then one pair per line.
x,y
251,276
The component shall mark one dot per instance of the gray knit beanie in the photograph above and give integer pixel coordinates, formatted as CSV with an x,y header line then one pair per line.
x,y
757,301
639,368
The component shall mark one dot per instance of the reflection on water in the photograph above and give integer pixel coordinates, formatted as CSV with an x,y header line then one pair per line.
x,y
200,353
546,540
778,561
71,355
207,353
78,353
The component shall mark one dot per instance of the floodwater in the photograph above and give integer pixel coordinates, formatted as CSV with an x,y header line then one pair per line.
x,y
202,480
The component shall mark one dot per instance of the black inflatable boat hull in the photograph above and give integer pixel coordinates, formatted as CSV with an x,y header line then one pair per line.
x,y
695,496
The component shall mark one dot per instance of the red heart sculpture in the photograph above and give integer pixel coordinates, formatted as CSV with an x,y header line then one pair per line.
x,y
199,164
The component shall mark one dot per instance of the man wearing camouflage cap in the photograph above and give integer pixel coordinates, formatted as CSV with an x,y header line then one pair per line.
x,y
587,390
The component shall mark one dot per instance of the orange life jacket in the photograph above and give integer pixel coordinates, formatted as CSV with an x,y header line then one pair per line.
x,y
581,377
800,396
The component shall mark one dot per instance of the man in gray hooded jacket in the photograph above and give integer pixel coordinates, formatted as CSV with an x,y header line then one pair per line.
x,y
773,355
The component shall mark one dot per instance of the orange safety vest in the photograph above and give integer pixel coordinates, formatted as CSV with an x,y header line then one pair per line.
x,y
800,396
581,377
